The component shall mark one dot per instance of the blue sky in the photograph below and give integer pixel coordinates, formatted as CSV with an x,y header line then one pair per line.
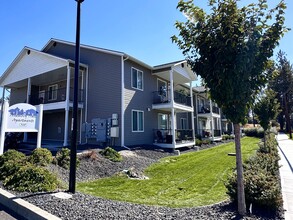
x,y
141,28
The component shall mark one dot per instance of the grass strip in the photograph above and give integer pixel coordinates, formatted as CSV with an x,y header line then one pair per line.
x,y
189,180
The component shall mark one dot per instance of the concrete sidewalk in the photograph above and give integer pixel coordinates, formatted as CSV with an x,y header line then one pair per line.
x,y
286,172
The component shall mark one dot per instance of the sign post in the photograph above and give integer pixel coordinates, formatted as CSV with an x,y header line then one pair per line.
x,y
21,117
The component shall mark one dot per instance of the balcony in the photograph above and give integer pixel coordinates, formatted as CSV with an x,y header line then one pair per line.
x,y
52,96
165,136
164,96
207,133
203,109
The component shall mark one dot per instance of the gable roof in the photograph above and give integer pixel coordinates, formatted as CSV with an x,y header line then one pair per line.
x,y
22,68
99,49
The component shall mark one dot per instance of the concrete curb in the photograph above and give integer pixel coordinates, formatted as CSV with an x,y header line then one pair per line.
x,y
23,208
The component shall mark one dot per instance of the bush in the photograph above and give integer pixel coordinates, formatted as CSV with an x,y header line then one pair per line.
x,y
10,162
111,154
32,179
206,141
261,183
227,137
254,132
198,142
41,157
11,155
62,158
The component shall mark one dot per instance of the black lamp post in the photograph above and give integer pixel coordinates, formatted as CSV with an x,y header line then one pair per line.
x,y
72,175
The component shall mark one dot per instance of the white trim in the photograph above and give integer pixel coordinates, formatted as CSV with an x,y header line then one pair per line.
x,y
50,42
138,111
142,83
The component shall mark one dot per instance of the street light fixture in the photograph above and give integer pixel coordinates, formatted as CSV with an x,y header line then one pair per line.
x,y
72,174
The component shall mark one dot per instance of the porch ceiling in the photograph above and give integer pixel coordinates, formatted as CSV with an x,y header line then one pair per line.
x,y
30,63
181,73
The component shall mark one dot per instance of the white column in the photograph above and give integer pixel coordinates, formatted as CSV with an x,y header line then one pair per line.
x,y
196,113
172,109
3,125
192,113
28,94
212,124
39,138
67,107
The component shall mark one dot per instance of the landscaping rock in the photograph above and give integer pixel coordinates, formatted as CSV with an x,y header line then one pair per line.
x,y
87,207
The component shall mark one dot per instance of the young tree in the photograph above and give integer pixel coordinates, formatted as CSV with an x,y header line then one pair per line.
x,y
267,109
229,48
282,84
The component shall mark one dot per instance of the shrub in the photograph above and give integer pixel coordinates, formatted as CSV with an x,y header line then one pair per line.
x,y
11,155
227,137
10,162
206,141
261,183
254,132
198,142
111,154
62,158
32,179
41,157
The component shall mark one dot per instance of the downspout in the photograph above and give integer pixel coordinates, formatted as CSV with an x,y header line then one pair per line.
x,y
122,99
86,96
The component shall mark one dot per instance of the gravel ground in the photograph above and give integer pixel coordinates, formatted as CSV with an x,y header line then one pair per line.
x,y
82,206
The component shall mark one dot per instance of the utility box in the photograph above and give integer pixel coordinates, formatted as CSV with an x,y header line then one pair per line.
x,y
115,119
114,132
101,125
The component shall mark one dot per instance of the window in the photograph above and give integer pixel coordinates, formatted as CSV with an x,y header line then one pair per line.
x,y
52,92
183,123
137,121
136,79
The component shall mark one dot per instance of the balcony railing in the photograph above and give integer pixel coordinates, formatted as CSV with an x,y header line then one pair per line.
x,y
202,109
165,135
58,95
207,133
165,97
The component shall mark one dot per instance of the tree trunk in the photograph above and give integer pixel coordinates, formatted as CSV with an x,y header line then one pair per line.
x,y
281,120
239,167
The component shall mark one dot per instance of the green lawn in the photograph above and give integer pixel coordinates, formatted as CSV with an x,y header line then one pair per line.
x,y
192,179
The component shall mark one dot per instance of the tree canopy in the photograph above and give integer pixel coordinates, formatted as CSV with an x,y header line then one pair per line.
x,y
229,48
267,108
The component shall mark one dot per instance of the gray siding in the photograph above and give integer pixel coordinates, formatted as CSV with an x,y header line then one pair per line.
x,y
104,83
51,122
139,100
18,95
